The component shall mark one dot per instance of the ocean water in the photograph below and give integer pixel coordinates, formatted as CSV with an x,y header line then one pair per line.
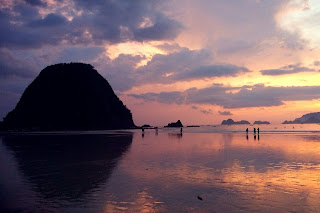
x,y
205,169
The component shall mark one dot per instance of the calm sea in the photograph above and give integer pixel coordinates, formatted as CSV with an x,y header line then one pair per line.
x,y
204,169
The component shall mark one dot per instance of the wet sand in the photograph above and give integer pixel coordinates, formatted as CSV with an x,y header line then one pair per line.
x,y
162,172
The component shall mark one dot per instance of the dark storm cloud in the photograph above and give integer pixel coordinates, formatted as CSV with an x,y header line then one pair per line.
x,y
108,21
225,113
256,96
290,69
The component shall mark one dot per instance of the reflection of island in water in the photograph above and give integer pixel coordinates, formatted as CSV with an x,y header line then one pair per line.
x,y
67,166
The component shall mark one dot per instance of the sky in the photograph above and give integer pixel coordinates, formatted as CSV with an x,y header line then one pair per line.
x,y
198,61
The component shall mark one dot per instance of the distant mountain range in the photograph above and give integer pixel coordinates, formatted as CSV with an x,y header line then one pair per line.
x,y
306,119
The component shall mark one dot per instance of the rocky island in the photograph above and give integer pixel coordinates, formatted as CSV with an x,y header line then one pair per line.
x,y
232,122
306,119
69,97
175,124
261,122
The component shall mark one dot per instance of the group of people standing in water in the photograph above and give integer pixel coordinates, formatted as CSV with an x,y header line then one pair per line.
x,y
254,130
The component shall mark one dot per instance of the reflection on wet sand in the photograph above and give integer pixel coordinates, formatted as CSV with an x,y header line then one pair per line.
x,y
231,173
66,167
175,135
165,172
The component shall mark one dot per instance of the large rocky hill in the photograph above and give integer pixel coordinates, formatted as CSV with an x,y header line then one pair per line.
x,y
69,97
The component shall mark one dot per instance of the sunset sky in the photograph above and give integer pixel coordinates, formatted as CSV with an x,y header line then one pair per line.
x,y
198,61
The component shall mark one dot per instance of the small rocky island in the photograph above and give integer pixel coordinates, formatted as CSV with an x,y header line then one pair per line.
x,y
175,124
261,122
232,122
69,97
306,119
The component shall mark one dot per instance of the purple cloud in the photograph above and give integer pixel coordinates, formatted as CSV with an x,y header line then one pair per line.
x,y
256,96
225,113
290,69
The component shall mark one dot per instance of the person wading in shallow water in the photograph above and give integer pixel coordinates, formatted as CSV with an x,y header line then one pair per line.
x,y
247,130
258,130
254,130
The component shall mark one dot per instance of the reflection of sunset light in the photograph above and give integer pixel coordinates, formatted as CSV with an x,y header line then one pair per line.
x,y
272,168
142,202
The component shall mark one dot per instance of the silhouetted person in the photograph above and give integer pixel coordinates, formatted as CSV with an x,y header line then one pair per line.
x,y
258,130
247,130
181,130
254,130
142,129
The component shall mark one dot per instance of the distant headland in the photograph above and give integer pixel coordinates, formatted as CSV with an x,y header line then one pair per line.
x,y
69,97
175,124
261,122
306,119
232,122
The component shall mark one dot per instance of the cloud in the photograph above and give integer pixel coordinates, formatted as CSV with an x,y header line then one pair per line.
x,y
36,3
163,29
316,63
225,113
89,22
255,96
290,69
51,20
206,112
216,70
182,64
69,54
11,65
